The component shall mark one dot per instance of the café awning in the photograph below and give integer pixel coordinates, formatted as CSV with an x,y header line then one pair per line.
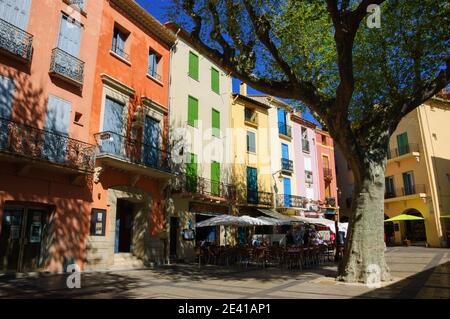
x,y
403,217
229,220
274,214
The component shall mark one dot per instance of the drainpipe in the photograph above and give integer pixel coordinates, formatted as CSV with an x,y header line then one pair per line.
x,y
167,217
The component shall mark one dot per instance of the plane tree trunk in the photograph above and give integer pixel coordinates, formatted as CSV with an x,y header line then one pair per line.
x,y
364,253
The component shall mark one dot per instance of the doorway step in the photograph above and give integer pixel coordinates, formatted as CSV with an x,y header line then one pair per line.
x,y
125,261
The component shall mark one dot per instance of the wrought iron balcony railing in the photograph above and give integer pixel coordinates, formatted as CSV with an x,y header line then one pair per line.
x,y
259,198
67,66
120,52
79,3
285,129
35,144
405,191
15,41
330,201
305,145
287,165
327,173
133,151
403,150
202,186
287,201
154,74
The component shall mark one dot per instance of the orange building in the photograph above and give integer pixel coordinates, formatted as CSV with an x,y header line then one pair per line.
x,y
83,110
129,125
47,63
327,172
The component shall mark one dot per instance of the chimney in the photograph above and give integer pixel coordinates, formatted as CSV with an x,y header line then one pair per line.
x,y
243,89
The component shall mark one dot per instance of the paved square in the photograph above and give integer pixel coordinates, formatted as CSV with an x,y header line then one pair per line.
x,y
417,273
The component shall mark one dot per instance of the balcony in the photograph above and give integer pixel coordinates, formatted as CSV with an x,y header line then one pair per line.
x,y
120,52
287,201
67,67
15,43
285,130
79,3
203,188
152,72
330,201
305,146
287,165
132,156
309,177
30,144
415,190
251,117
259,198
408,149
328,174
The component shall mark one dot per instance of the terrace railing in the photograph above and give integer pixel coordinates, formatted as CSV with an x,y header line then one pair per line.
x,y
133,151
36,144
15,41
67,66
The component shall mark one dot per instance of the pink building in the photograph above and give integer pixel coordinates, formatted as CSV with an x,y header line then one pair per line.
x,y
306,168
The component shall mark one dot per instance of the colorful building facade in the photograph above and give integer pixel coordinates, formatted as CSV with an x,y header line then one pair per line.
x,y
200,120
47,61
251,153
128,124
306,168
327,173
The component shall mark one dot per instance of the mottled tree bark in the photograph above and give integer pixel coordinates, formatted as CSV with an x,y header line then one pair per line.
x,y
364,258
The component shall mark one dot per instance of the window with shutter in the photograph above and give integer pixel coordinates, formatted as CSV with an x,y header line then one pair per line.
x,y
192,111
215,178
251,142
193,65
191,173
215,123
215,81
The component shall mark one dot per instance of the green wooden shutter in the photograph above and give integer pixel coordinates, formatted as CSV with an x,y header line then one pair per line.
x,y
193,65
215,178
402,143
215,123
191,173
192,111
215,86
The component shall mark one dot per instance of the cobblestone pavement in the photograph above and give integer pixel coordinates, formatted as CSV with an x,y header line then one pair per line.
x,y
417,273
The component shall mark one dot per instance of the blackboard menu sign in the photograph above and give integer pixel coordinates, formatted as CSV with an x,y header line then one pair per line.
x,y
98,222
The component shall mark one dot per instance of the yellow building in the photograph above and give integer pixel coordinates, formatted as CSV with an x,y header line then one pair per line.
x,y
417,177
250,153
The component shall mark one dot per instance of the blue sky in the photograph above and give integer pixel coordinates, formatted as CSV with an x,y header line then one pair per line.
x,y
157,9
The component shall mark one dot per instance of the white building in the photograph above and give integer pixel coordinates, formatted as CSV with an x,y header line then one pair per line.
x,y
200,96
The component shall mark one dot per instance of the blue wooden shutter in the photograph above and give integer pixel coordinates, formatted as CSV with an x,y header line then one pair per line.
x,y
57,129
284,151
151,142
69,36
152,64
7,88
15,12
252,185
287,191
113,122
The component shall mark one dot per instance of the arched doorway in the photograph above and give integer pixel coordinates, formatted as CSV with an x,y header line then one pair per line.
x,y
415,229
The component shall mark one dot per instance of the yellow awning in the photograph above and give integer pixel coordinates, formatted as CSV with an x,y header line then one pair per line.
x,y
403,217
